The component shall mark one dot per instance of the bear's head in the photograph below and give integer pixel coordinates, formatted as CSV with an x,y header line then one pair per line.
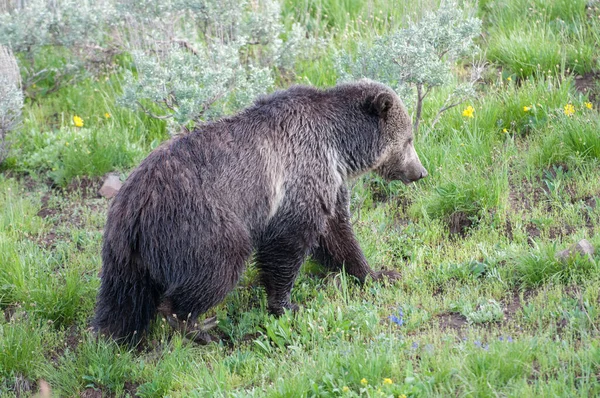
x,y
399,160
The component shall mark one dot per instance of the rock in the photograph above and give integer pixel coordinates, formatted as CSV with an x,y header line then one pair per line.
x,y
583,247
111,186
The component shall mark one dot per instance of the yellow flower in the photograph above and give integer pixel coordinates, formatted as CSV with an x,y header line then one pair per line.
x,y
509,79
66,144
364,382
526,108
387,381
345,389
77,121
107,115
468,112
588,105
402,396
569,110
504,130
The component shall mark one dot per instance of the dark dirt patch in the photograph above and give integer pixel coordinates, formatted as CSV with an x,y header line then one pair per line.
x,y
459,223
591,201
589,84
508,230
10,311
560,232
72,339
87,187
130,388
91,393
527,195
511,306
452,320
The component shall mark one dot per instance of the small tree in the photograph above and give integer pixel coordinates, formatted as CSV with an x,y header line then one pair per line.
x,y
420,57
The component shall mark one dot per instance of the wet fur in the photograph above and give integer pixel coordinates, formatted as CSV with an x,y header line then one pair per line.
x,y
269,181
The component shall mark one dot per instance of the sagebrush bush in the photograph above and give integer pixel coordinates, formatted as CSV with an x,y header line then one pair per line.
x,y
215,62
11,98
80,29
420,57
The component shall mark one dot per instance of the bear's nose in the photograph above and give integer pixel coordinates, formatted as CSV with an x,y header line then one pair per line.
x,y
424,173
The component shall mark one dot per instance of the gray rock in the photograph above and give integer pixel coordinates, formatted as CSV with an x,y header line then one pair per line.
x,y
111,186
583,247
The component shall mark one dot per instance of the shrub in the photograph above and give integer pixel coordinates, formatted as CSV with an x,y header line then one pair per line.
x,y
11,98
79,28
419,57
215,62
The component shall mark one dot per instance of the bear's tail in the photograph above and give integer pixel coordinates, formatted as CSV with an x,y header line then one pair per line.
x,y
126,302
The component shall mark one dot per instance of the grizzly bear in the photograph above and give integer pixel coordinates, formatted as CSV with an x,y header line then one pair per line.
x,y
270,181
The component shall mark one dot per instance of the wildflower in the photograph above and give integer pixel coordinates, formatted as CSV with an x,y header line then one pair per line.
x,y
509,339
569,110
364,381
509,79
67,143
526,108
107,115
504,131
468,112
415,345
588,105
398,320
345,389
387,381
402,396
77,121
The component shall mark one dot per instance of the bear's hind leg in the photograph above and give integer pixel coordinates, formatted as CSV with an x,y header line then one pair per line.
x,y
190,328
215,273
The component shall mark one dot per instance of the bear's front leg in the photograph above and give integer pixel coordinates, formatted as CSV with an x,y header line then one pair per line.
x,y
338,247
283,248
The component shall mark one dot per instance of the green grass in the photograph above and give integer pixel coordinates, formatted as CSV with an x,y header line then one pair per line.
x,y
487,309
532,38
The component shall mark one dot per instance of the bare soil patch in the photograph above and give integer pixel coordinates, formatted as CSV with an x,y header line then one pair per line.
x,y
452,320
589,84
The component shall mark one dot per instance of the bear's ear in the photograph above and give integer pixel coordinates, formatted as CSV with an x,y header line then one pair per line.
x,y
380,104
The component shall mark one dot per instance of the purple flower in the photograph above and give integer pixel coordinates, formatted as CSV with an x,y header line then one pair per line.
x,y
501,338
509,339
415,345
482,346
398,320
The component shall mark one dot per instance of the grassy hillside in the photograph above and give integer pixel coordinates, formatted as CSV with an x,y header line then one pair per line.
x,y
484,307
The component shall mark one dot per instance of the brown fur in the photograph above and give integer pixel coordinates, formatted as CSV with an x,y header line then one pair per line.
x,y
270,180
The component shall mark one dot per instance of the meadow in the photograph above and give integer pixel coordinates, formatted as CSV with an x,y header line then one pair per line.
x,y
484,307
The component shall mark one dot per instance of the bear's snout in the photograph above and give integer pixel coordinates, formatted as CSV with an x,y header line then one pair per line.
x,y
418,172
